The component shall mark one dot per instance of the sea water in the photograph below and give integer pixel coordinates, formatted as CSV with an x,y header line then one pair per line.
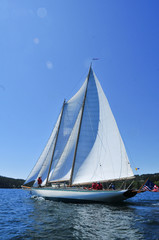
x,y
23,216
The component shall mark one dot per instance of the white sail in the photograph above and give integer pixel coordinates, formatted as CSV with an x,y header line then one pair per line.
x,y
62,171
64,151
42,165
101,154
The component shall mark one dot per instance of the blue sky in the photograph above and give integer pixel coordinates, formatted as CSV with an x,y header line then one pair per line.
x,y
45,51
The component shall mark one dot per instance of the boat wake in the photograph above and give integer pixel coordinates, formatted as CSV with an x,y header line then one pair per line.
x,y
156,204
37,198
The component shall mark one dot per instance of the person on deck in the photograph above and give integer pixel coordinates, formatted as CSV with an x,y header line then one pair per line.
x,y
112,186
99,186
39,181
94,186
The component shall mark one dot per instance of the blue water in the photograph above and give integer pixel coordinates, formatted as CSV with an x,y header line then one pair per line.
x,y
23,216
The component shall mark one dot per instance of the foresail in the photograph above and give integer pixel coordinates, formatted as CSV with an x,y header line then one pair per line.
x,y
42,165
63,167
64,151
101,154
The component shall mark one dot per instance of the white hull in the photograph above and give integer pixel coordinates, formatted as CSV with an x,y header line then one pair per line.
x,y
82,195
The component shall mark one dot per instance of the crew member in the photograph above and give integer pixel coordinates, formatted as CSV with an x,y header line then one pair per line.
x,y
112,186
99,186
39,181
94,186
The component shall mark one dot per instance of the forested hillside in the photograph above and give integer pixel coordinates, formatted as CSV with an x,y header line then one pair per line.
x,y
6,182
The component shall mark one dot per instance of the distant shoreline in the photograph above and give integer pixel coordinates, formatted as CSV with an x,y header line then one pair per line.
x,y
7,182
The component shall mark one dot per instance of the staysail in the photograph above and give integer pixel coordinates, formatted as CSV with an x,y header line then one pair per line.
x,y
91,130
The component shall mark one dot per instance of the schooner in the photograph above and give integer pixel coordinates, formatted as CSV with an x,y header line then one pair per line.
x,y
85,146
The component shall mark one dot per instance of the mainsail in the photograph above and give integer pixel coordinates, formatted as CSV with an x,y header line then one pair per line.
x,y
88,145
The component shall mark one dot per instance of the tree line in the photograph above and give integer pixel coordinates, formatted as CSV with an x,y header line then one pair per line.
x,y
6,182
139,180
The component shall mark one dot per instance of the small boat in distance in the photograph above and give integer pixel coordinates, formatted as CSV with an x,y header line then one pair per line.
x,y
85,146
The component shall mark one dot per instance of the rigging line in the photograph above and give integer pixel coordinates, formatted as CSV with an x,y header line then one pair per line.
x,y
105,148
55,143
120,153
46,161
77,84
98,165
52,143
41,153
43,163
129,155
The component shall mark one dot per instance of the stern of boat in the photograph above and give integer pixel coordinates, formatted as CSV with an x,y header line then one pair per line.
x,y
130,193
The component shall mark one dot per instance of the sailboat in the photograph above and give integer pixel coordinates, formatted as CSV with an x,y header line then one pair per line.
x,y
85,146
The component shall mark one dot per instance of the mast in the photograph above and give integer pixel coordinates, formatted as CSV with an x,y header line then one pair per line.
x,y
83,105
55,143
